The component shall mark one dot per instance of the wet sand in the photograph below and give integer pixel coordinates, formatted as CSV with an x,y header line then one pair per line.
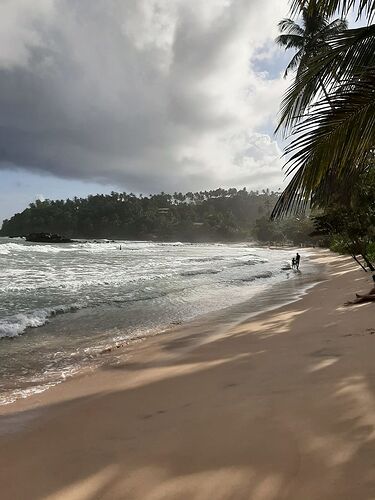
x,y
275,406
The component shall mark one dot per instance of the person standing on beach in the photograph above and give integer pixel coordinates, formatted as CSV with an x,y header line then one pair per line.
x,y
298,258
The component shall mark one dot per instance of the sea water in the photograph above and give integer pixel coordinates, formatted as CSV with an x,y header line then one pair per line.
x,y
62,305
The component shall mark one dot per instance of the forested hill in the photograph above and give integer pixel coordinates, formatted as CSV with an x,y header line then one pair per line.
x,y
208,215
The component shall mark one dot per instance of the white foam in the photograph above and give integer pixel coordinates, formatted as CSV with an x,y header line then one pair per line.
x,y
10,248
15,325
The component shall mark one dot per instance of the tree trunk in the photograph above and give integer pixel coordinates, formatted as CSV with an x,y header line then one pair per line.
x,y
355,258
369,264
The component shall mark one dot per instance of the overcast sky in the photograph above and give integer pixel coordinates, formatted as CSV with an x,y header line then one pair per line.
x,y
137,95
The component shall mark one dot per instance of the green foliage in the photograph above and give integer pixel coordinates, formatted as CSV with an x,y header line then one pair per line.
x,y
348,220
214,215
329,109
287,231
371,251
313,47
308,40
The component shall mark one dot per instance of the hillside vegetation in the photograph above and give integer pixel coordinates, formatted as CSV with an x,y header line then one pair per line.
x,y
218,215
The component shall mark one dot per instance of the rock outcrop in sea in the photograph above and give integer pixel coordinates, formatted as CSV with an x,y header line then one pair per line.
x,y
47,238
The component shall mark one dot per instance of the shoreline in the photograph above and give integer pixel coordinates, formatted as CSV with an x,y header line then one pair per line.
x,y
277,405
270,296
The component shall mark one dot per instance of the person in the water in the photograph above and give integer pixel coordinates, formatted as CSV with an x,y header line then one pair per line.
x,y
298,258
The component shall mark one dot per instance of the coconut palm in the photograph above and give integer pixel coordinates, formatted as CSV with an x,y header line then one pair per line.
x,y
309,39
331,146
331,143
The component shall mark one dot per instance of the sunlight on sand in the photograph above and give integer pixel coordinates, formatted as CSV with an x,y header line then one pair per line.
x,y
220,484
88,488
280,323
361,403
340,273
322,364
216,484
343,308
331,450
151,375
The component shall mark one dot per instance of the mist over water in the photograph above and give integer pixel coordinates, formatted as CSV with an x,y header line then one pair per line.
x,y
61,305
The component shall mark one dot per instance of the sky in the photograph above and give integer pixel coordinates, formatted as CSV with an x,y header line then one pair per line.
x,y
137,95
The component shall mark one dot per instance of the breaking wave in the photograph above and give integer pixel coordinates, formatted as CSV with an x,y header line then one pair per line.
x,y
15,325
197,272
267,274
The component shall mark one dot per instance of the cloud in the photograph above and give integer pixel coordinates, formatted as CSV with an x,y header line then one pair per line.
x,y
19,32
146,94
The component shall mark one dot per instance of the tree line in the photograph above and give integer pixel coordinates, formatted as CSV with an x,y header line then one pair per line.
x,y
216,215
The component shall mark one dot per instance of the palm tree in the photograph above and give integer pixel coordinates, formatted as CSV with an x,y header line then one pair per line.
x,y
310,39
330,144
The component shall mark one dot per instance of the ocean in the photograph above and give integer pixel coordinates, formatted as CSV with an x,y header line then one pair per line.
x,y
62,305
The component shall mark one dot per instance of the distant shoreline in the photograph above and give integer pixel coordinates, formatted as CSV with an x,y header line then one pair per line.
x,y
250,242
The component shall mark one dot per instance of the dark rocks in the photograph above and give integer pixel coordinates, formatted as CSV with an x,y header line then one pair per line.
x,y
47,238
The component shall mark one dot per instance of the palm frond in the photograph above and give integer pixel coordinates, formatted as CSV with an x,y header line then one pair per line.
x,y
333,28
290,26
349,52
294,63
289,41
292,199
330,7
331,143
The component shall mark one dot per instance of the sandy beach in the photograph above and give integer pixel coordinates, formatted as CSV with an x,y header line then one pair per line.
x,y
275,406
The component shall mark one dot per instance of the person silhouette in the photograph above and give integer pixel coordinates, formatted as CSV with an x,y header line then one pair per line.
x,y
298,258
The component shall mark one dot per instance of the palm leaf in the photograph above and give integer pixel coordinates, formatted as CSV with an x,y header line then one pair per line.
x,y
290,26
294,63
333,28
290,41
349,52
330,144
292,199
330,7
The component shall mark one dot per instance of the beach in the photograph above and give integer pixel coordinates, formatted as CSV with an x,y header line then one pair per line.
x,y
278,405
61,306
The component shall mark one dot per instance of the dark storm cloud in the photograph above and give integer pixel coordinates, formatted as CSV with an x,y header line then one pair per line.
x,y
148,94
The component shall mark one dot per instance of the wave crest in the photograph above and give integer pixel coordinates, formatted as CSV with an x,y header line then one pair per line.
x,y
13,326
196,272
